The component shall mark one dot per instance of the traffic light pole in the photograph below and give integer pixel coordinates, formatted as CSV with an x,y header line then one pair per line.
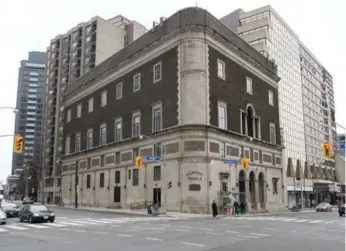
x,y
76,181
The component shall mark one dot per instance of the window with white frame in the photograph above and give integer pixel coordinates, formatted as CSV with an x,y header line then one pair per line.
x,y
222,115
119,91
118,130
136,125
157,72
137,82
104,98
271,97
221,73
103,134
272,133
91,104
90,139
77,142
79,110
67,145
68,115
248,85
157,117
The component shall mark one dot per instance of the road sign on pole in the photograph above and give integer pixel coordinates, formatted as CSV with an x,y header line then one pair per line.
x,y
152,158
230,161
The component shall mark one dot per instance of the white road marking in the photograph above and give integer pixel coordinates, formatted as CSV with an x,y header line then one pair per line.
x,y
70,223
100,221
264,235
182,230
84,222
153,239
232,232
17,227
35,226
328,222
268,228
56,225
193,244
100,233
60,218
184,227
3,230
80,231
244,226
143,229
114,220
248,236
301,220
208,229
166,225
125,235
215,233
316,221
292,219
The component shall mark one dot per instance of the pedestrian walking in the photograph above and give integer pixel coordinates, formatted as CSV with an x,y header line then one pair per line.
x,y
214,208
242,207
236,207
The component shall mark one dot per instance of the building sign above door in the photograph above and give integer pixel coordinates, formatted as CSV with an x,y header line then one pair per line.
x,y
194,175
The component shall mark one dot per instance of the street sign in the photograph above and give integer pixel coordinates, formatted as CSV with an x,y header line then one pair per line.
x,y
153,158
230,161
342,146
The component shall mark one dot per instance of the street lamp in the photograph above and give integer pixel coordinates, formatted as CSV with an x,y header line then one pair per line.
x,y
164,171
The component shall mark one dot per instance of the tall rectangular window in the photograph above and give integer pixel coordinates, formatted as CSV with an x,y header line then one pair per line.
x,y
135,177
118,130
67,145
221,73
137,82
136,125
79,110
104,98
222,115
157,118
157,72
90,139
157,173
272,133
117,177
88,181
77,142
68,115
102,180
119,91
91,104
103,134
271,98
249,85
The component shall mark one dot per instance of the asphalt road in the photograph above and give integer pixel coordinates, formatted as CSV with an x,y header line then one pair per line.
x,y
80,230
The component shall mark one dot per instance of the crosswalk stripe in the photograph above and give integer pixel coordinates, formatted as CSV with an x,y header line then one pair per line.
x,y
17,227
328,222
100,221
35,226
114,220
290,219
2,230
316,221
84,222
70,223
301,220
56,225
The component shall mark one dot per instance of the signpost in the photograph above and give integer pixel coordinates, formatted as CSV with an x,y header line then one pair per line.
x,y
152,158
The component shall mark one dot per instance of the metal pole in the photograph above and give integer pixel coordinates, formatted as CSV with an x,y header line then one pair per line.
x,y
27,182
301,194
165,184
76,181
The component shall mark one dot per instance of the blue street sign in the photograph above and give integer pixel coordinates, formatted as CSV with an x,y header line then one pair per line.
x,y
342,146
230,161
153,158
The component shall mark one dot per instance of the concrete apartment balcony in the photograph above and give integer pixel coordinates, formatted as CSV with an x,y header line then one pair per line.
x,y
254,25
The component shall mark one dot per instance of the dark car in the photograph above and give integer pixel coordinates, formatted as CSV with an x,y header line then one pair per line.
x,y
10,209
36,213
28,200
342,210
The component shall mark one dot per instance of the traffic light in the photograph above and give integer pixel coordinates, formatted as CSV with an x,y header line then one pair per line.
x,y
18,144
327,150
226,187
139,162
245,163
169,184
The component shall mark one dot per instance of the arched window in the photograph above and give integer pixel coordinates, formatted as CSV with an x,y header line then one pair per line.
x,y
250,123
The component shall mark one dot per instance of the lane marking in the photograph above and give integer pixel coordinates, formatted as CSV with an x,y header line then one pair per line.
x,y
84,222
316,221
208,229
125,235
215,233
328,222
100,221
264,235
17,227
153,239
184,227
56,225
232,232
114,220
301,220
248,236
100,233
193,244
143,229
71,223
166,225
80,231
182,230
60,218
268,228
3,230
244,226
292,219
35,226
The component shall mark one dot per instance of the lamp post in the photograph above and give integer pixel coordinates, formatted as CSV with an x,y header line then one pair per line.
x,y
27,178
164,171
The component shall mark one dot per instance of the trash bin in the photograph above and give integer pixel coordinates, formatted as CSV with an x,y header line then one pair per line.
x,y
150,209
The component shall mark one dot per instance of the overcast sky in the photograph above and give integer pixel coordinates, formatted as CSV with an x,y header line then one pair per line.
x,y
29,25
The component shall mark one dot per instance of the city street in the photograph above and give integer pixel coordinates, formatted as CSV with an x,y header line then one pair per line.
x,y
82,230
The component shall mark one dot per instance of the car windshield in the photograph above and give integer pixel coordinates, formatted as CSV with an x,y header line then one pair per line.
x,y
38,208
8,205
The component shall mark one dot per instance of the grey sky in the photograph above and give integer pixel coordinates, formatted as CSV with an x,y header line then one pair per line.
x,y
29,25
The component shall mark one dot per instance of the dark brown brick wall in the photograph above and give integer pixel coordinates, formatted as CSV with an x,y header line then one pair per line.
x,y
233,91
165,91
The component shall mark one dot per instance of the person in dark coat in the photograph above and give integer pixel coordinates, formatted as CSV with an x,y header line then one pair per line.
x,y
214,208
242,207
236,207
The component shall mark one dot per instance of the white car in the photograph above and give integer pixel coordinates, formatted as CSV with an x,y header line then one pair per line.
x,y
3,217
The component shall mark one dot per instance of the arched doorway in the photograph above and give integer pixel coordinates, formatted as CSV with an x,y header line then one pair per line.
x,y
252,191
249,120
261,190
242,189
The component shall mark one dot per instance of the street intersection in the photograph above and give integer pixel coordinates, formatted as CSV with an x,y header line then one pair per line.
x,y
104,231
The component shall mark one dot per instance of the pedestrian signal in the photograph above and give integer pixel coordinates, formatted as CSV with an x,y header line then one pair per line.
x,y
18,144
139,162
169,184
245,163
327,150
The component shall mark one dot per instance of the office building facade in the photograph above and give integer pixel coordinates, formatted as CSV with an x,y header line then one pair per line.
x,y
69,57
190,98
302,110
28,122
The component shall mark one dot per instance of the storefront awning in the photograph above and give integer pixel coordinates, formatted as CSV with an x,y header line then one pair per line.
x,y
298,188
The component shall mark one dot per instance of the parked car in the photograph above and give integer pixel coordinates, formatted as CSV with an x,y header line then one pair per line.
x,y
36,213
3,217
342,210
324,207
10,209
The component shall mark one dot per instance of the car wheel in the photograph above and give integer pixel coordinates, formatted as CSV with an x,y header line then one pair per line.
x,y
20,219
340,214
51,221
30,219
